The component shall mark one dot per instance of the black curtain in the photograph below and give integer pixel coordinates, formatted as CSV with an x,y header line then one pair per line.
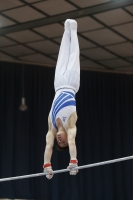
x,y
105,131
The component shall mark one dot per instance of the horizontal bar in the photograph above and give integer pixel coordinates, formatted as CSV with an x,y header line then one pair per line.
x,y
66,170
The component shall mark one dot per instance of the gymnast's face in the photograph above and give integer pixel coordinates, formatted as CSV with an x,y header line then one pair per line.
x,y
62,138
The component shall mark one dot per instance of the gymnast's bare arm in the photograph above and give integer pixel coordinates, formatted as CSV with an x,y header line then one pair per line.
x,y
49,142
71,134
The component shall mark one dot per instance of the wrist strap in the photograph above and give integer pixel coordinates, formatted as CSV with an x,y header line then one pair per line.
x,y
46,165
74,161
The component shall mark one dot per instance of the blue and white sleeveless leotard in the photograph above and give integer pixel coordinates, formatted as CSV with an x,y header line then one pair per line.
x,y
63,106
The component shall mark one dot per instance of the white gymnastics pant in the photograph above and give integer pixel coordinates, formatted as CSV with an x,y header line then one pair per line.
x,y
67,73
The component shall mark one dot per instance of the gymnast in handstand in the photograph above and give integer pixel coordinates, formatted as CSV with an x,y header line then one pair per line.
x,y
63,116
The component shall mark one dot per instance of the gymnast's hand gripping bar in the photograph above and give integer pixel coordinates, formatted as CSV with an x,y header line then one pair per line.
x,y
66,170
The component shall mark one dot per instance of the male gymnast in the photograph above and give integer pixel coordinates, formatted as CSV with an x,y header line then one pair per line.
x,y
62,117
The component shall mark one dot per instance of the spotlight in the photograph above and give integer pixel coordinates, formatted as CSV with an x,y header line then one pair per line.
x,y
23,106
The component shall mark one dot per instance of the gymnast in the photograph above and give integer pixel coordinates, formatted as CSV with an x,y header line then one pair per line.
x,y
63,116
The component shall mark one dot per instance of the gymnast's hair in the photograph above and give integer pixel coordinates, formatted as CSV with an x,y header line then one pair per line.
x,y
62,148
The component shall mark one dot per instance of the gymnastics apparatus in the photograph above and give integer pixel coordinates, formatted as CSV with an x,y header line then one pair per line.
x,y
67,170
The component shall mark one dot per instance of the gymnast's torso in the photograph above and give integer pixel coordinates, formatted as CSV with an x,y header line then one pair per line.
x,y
64,104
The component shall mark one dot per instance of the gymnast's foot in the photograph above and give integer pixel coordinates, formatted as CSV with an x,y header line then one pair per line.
x,y
73,25
67,25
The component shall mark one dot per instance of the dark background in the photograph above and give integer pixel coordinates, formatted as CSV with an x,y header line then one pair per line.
x,y
105,131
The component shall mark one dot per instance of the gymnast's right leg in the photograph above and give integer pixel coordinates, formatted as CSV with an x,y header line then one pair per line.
x,y
63,57
72,74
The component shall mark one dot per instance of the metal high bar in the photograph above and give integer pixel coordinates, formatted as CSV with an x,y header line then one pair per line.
x,y
66,170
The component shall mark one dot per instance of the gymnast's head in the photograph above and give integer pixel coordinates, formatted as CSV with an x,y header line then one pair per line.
x,y
62,141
